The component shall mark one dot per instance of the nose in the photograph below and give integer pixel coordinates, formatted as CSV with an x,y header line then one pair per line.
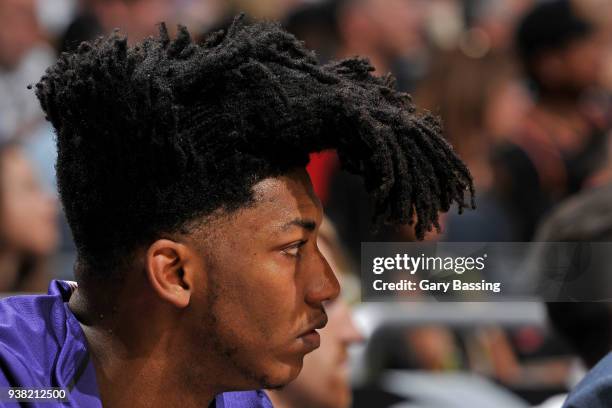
x,y
322,283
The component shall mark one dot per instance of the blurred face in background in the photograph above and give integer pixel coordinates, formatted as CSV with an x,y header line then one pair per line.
x,y
600,12
28,214
576,67
399,24
498,20
19,30
144,15
263,9
137,18
481,102
394,27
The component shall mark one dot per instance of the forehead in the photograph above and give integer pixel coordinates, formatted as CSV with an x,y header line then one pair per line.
x,y
281,204
279,200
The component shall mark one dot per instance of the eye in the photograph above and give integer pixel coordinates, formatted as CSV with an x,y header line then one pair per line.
x,y
294,249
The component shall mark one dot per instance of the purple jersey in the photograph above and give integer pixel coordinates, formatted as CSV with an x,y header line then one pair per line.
x,y
42,345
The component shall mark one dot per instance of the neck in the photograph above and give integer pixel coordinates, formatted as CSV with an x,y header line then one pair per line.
x,y
137,361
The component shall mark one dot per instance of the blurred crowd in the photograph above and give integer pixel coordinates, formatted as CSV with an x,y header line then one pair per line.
x,y
524,89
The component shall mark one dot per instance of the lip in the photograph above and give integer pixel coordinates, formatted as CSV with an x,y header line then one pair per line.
x,y
317,324
310,337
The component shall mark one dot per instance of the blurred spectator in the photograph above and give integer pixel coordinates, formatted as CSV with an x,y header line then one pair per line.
x,y
561,142
585,326
600,11
324,379
264,9
388,32
481,102
317,25
28,224
24,55
200,16
136,18
494,21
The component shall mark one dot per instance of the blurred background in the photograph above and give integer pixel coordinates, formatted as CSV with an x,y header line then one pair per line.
x,y
524,88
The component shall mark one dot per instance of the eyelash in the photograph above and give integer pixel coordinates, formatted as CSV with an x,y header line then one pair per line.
x,y
298,246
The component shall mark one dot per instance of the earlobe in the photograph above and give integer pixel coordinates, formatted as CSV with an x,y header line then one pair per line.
x,y
165,266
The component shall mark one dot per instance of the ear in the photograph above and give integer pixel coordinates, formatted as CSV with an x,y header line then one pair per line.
x,y
169,269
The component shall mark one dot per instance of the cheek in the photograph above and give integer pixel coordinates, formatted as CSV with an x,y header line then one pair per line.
x,y
260,297
255,328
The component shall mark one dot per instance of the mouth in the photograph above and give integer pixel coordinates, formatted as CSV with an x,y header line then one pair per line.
x,y
310,337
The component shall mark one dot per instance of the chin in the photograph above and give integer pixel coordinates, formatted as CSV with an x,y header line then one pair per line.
x,y
281,375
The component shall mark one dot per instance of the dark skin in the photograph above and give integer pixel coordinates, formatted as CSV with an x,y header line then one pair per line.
x,y
231,305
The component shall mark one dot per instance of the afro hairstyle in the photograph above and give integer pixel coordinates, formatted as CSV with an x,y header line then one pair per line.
x,y
153,136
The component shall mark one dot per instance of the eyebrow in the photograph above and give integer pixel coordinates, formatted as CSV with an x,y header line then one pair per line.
x,y
307,224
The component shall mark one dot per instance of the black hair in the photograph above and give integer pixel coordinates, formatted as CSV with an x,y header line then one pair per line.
x,y
152,137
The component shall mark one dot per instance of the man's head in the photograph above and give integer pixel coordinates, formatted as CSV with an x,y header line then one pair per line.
x,y
181,171
560,49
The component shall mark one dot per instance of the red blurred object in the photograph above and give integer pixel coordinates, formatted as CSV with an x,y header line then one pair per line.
x,y
321,168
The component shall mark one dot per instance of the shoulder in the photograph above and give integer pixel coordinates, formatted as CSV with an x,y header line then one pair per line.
x,y
32,329
595,390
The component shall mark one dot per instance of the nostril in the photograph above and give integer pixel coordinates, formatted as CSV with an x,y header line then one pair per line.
x,y
325,289
333,288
